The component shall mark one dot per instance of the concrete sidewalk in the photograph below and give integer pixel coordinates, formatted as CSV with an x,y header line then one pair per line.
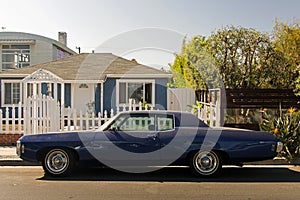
x,y
9,157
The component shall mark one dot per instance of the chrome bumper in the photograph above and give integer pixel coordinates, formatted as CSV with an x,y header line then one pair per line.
x,y
18,149
279,147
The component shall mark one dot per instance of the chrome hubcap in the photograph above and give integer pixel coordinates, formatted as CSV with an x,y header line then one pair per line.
x,y
57,161
206,162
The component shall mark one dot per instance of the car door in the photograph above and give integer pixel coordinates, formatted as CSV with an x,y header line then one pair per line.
x,y
135,133
129,132
172,140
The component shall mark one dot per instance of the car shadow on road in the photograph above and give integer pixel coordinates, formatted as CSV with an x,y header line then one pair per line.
x,y
244,174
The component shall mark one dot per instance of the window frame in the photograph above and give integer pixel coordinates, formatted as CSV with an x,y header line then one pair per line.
x,y
11,49
143,81
157,122
3,82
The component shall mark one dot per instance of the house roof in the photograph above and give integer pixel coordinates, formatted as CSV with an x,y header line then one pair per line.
x,y
90,67
21,37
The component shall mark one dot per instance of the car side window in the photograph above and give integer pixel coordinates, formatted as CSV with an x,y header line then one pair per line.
x,y
137,123
165,122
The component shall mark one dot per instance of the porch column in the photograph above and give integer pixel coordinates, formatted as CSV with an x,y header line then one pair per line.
x,y
40,88
24,92
55,92
34,88
62,94
101,99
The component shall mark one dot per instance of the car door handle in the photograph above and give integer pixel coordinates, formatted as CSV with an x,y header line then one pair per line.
x,y
152,136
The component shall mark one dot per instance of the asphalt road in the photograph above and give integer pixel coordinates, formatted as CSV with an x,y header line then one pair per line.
x,y
29,183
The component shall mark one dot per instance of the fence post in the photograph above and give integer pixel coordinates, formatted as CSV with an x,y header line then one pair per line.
x,y
1,123
62,117
93,120
6,120
105,115
111,112
68,119
130,105
13,116
218,114
80,120
19,117
87,121
75,119
205,114
99,119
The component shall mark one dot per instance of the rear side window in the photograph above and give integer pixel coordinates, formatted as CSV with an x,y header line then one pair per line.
x,y
165,122
188,120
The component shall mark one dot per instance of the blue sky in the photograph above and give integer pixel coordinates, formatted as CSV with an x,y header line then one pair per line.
x,y
90,23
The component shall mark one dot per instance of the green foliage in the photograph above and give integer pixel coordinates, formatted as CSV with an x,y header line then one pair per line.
x,y
287,129
194,67
240,58
194,108
178,71
287,42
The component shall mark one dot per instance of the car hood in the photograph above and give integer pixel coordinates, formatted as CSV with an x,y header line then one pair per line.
x,y
59,137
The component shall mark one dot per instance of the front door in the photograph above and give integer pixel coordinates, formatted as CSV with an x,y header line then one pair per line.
x,y
84,97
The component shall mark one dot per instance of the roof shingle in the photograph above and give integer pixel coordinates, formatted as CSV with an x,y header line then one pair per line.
x,y
90,67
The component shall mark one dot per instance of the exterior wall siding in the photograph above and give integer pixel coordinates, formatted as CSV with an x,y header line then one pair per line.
x,y
110,94
42,50
98,98
161,94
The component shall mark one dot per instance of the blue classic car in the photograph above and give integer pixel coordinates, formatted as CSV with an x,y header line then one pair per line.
x,y
140,141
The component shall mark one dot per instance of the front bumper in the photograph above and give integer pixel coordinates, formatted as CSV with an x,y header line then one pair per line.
x,y
279,147
20,148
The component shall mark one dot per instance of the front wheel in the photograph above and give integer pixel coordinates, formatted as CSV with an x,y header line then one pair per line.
x,y
59,162
206,164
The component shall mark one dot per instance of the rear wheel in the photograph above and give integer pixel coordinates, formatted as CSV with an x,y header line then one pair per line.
x,y
206,164
59,162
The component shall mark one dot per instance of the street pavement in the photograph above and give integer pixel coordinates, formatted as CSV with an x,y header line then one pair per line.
x,y
30,183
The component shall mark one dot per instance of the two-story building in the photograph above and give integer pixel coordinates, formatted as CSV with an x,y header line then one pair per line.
x,y
20,49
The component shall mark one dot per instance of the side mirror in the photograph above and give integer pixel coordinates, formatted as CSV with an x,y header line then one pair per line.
x,y
113,128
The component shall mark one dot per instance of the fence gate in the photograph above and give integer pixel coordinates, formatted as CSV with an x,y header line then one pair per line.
x,y
41,114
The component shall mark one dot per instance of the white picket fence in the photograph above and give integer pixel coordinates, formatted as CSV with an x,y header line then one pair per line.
x,y
13,124
42,114
209,113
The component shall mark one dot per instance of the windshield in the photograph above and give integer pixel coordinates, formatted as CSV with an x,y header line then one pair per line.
x,y
107,123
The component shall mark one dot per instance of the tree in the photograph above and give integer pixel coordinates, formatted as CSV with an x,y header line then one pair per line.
x,y
178,71
287,43
237,57
241,55
193,67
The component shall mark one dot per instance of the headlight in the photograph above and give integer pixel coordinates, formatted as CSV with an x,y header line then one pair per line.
x,y
279,147
20,148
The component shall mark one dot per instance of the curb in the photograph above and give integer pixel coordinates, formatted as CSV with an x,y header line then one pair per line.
x,y
17,162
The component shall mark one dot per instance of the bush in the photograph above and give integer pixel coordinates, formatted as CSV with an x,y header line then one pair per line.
x,y
286,128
